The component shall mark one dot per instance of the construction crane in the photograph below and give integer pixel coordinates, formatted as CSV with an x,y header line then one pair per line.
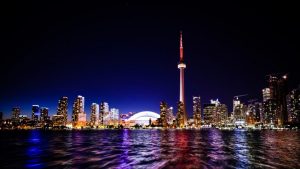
x,y
237,97
252,101
277,75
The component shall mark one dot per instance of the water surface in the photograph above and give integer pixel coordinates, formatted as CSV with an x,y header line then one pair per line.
x,y
150,149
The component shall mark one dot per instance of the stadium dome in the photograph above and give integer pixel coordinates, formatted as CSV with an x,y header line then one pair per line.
x,y
143,117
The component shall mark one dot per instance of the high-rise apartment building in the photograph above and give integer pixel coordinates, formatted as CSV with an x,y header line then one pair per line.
x,y
94,114
197,111
293,106
16,111
62,109
78,108
163,113
44,114
35,113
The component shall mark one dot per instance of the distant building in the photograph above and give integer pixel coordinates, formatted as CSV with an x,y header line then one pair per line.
x,y
35,113
16,111
163,114
180,115
170,116
81,119
104,114
293,106
266,94
62,109
23,119
208,114
239,112
1,116
44,114
270,112
254,113
279,91
94,114
215,113
115,114
78,108
221,115
58,120
197,111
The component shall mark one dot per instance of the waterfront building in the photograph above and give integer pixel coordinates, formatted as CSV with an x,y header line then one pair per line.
x,y
94,114
208,114
44,114
170,116
81,120
180,115
58,120
279,91
15,114
163,114
293,106
270,112
104,114
35,113
221,115
197,111
254,113
114,117
78,108
62,109
239,111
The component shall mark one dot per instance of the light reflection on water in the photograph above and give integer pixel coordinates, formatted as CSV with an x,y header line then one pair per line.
x,y
150,149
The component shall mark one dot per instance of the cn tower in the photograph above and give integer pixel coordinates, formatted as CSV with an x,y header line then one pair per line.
x,y
181,67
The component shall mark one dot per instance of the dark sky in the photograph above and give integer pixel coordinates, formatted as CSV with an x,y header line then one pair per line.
x,y
127,54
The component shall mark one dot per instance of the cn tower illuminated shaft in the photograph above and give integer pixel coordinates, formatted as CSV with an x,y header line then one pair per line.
x,y
181,67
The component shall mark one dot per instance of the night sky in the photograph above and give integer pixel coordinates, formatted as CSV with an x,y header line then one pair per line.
x,y
127,54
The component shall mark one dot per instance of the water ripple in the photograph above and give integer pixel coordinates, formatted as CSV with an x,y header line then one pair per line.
x,y
150,149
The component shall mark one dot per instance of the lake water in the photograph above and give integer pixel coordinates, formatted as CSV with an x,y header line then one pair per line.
x,y
210,148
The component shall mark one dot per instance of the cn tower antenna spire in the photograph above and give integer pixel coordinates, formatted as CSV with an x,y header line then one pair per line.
x,y
181,48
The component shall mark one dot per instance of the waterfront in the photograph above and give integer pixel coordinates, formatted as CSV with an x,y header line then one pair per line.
x,y
150,149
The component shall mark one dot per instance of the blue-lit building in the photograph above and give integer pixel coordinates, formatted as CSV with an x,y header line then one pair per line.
x,y
35,113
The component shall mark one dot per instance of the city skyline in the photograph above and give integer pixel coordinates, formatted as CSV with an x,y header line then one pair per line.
x,y
101,52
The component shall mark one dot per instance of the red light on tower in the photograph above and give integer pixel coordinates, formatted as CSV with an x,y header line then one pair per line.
x,y
181,48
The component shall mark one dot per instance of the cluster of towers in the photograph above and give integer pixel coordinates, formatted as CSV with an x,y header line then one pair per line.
x,y
101,116
279,107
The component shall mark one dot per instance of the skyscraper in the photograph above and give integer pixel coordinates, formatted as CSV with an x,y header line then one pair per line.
x,y
266,94
15,114
180,115
44,114
293,105
78,107
170,116
197,111
94,114
208,113
114,116
103,114
35,112
163,113
278,92
62,109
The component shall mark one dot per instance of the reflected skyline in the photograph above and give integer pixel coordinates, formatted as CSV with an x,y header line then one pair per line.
x,y
150,149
